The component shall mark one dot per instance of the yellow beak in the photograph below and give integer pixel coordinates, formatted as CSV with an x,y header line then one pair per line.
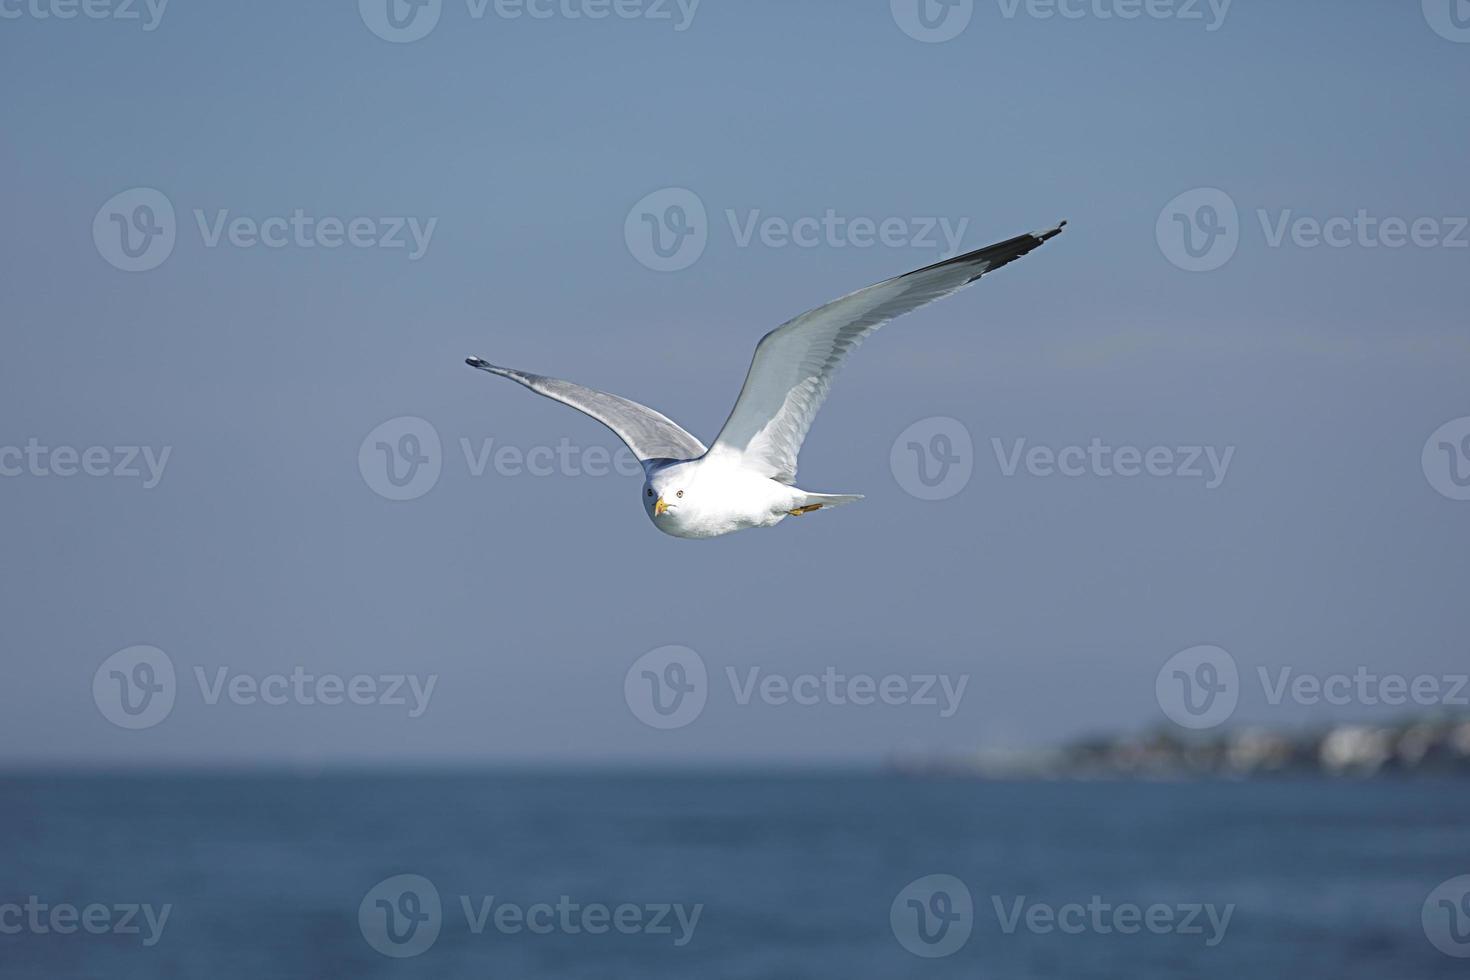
x,y
659,507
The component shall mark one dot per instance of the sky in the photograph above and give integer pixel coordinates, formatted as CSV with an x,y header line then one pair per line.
x,y
248,247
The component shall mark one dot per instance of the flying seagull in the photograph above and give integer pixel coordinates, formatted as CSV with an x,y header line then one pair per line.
x,y
747,478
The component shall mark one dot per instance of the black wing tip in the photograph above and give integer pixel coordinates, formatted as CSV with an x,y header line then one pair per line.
x,y
999,254
1050,233
478,362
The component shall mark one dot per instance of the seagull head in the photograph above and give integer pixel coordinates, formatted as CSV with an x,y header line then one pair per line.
x,y
665,492
661,501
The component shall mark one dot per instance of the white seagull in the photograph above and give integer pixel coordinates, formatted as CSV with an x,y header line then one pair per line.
x,y
747,478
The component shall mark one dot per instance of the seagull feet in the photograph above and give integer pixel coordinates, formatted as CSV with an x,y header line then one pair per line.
x,y
804,510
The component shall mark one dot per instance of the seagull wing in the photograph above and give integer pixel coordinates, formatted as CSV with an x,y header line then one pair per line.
x,y
649,434
794,364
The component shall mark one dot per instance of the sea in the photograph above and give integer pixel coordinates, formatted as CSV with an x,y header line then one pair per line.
x,y
640,874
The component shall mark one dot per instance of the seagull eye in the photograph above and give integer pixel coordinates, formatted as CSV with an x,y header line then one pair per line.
x,y
679,494
650,491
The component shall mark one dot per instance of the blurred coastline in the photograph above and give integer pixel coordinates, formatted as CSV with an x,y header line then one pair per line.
x,y
1437,746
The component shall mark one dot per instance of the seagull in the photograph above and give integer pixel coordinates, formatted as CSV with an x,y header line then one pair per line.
x,y
747,478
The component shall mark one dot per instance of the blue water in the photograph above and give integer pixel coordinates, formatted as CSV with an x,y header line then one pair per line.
x,y
795,873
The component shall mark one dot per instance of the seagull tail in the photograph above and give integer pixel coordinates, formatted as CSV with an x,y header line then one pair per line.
x,y
815,501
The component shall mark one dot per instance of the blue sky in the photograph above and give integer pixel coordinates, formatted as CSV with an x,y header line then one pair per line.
x,y
524,144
